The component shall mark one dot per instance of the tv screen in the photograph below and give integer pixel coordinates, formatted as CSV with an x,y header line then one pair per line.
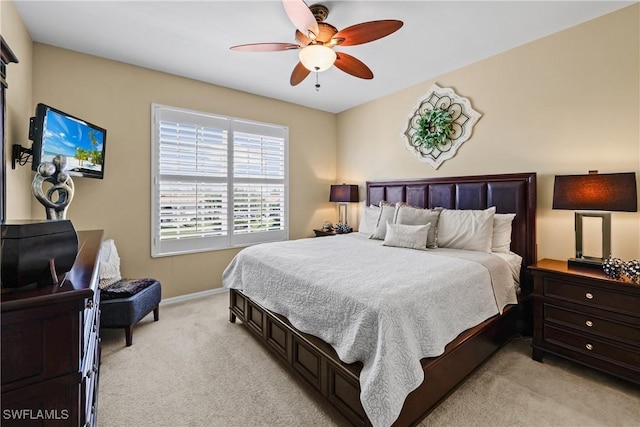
x,y
54,132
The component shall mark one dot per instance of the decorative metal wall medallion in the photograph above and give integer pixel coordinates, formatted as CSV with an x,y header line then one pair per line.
x,y
463,116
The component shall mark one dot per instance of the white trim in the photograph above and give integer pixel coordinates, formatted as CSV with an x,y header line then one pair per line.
x,y
195,295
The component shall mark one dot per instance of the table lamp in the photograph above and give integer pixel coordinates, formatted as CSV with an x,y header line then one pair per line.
x,y
595,195
344,194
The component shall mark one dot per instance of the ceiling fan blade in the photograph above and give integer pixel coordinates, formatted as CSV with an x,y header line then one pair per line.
x,y
264,47
299,74
301,16
367,32
353,66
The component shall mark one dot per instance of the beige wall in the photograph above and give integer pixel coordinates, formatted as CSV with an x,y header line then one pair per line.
x,y
19,109
118,97
566,104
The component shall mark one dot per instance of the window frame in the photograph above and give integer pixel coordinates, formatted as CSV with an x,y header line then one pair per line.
x,y
230,240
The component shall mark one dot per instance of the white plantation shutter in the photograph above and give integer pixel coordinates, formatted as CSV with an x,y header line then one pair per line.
x,y
258,185
192,209
217,182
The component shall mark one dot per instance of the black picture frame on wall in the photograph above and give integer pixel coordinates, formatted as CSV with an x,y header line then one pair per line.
x,y
6,57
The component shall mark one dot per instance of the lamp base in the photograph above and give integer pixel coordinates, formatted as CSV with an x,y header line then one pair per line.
x,y
588,262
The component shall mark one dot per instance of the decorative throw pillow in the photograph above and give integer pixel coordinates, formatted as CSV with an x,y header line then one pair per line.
x,y
407,236
411,215
387,214
466,229
501,241
109,269
369,219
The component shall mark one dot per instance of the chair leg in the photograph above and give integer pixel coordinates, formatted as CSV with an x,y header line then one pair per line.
x,y
128,334
156,313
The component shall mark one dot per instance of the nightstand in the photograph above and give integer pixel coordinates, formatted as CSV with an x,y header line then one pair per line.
x,y
320,233
582,315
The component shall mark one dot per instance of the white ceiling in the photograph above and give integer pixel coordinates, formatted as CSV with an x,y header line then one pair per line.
x,y
192,39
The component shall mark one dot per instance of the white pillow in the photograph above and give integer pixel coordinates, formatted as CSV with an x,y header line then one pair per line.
x,y
407,236
466,229
501,241
109,269
411,215
387,214
369,219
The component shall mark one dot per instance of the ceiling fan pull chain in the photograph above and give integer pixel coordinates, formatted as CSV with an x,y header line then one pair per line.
x,y
317,83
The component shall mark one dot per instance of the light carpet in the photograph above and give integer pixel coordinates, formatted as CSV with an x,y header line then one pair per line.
x,y
195,368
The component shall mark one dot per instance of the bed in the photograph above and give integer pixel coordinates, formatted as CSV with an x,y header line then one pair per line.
x,y
319,363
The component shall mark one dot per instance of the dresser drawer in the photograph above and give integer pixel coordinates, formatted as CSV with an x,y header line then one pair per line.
x,y
89,399
90,369
58,396
593,347
89,364
27,345
89,328
594,296
589,323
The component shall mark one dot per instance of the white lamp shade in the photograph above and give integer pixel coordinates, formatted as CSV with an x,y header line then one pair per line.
x,y
317,57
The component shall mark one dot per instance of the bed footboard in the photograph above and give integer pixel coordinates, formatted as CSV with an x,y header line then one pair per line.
x,y
318,364
307,356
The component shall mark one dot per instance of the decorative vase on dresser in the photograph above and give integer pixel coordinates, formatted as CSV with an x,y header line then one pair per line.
x,y
51,346
585,316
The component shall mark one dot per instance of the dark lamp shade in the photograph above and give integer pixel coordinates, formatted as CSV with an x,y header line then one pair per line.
x,y
344,193
599,192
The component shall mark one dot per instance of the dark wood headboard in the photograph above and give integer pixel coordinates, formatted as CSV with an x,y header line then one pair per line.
x,y
509,193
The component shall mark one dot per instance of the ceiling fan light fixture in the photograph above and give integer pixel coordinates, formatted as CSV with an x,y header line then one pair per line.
x,y
317,57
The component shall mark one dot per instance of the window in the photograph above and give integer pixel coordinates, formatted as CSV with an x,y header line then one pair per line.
x,y
217,182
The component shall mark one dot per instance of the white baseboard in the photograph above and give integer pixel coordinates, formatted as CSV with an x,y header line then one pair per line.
x,y
195,295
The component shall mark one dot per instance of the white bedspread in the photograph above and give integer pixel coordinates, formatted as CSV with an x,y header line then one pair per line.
x,y
384,306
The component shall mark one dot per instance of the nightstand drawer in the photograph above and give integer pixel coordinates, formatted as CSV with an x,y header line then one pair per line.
x,y
593,347
585,316
591,296
593,324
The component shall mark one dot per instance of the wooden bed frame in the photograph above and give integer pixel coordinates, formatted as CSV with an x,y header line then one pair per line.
x,y
318,364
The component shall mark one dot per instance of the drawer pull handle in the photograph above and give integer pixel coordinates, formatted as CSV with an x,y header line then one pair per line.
x,y
589,295
589,347
589,323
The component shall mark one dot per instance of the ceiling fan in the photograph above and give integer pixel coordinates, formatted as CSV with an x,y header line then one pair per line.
x,y
316,40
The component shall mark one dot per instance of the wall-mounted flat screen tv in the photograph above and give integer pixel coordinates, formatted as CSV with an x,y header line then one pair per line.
x,y
54,132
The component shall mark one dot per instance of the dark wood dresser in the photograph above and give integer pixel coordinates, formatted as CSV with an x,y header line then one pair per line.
x,y
581,314
51,346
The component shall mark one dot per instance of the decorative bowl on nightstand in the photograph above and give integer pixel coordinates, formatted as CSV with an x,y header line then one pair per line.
x,y
343,228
